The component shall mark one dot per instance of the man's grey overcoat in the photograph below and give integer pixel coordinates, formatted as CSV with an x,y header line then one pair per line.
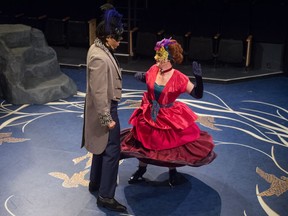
x,y
104,83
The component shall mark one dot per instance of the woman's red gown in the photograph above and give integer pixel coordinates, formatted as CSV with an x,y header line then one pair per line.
x,y
164,132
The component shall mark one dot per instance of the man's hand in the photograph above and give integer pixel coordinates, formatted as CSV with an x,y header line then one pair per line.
x,y
111,125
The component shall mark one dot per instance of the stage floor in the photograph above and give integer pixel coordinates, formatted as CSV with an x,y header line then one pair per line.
x,y
44,172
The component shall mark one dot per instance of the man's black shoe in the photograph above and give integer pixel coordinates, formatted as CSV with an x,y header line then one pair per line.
x,y
93,187
111,204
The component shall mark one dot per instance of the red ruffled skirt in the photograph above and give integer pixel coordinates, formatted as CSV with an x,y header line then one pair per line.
x,y
196,153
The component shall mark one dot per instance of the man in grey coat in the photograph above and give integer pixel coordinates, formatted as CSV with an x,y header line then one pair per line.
x,y
101,131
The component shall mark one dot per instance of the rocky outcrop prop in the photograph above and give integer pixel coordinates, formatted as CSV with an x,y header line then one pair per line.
x,y
29,69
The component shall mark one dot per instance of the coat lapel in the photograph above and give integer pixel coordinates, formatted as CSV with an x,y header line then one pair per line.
x,y
99,44
116,64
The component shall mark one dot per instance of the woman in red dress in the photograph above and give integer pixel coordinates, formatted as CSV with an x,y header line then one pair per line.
x,y
164,131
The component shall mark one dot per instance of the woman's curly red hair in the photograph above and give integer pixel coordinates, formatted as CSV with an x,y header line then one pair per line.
x,y
176,51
